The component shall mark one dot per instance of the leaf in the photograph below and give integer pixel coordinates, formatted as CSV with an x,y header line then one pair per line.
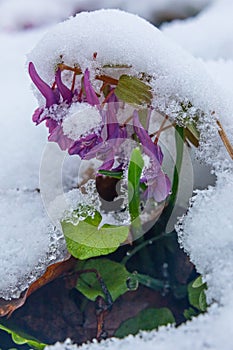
x,y
134,174
145,320
190,313
7,307
202,301
86,240
196,294
192,134
114,275
197,282
132,90
114,174
21,338
179,138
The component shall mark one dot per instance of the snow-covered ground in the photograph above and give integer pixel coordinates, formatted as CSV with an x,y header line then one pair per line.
x,y
206,232
24,14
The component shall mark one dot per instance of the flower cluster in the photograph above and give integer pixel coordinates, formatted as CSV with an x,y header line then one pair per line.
x,y
85,121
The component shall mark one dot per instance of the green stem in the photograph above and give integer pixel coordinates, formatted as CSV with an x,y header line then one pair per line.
x,y
179,138
144,244
150,282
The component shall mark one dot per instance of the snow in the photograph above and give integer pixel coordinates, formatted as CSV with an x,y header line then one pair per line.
x,y
80,118
176,76
209,34
174,71
24,14
28,242
206,232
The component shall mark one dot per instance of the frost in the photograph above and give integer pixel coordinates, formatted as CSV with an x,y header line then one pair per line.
x,y
80,120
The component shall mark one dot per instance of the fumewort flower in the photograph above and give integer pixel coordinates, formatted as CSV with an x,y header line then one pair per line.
x,y
158,183
85,121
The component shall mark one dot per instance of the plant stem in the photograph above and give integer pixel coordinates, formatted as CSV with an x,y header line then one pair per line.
x,y
179,137
225,139
150,282
143,245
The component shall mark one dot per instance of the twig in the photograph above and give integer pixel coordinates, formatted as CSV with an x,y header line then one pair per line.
x,y
225,139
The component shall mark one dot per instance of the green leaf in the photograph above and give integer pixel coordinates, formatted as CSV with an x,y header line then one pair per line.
x,y
202,301
20,338
192,134
114,274
145,320
87,239
132,90
179,138
197,282
114,174
134,174
196,294
190,313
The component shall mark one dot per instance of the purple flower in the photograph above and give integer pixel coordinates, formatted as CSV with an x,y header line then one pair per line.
x,y
57,135
85,145
66,93
49,94
159,185
91,96
56,96
105,144
144,138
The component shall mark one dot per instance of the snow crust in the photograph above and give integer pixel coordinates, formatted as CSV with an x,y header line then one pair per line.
x,y
206,232
175,72
27,239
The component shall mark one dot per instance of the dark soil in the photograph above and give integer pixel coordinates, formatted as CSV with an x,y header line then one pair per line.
x,y
56,312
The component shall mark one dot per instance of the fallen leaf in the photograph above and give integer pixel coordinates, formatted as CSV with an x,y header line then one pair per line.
x,y
7,307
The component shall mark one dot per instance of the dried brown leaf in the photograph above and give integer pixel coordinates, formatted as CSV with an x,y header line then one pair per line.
x,y
7,307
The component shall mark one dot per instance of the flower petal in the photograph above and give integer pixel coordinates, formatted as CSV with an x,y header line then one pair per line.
x,y
91,96
57,136
144,138
85,145
44,88
63,89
